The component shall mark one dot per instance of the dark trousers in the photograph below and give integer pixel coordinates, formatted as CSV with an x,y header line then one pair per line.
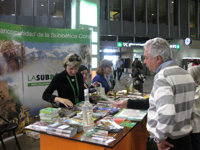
x,y
195,141
115,72
183,143
119,73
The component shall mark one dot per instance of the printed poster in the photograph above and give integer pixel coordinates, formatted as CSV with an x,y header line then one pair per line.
x,y
29,58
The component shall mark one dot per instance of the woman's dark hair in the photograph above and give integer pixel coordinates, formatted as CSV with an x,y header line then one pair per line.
x,y
82,67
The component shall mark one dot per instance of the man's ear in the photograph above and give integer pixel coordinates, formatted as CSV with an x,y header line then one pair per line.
x,y
159,59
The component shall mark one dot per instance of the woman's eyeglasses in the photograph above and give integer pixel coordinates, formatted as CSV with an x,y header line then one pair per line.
x,y
74,59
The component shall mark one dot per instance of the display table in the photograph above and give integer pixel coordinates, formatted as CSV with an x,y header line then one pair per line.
x,y
128,139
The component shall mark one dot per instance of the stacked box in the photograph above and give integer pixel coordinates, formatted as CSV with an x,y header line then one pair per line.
x,y
49,114
61,129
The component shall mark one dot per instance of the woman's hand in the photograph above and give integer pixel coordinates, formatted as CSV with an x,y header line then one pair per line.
x,y
95,84
64,101
109,93
121,104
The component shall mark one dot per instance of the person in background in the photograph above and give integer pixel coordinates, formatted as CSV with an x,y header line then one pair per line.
x,y
119,66
103,74
68,83
133,64
171,100
138,77
195,72
112,78
85,73
114,71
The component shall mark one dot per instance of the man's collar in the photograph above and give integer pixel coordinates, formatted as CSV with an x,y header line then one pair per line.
x,y
167,63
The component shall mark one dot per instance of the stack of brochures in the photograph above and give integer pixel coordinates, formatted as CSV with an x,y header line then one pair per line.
x,y
131,114
49,114
57,128
97,136
73,122
38,126
61,129
109,125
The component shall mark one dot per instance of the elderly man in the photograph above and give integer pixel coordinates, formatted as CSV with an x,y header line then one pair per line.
x,y
171,99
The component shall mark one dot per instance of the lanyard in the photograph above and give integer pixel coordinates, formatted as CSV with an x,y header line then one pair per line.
x,y
76,96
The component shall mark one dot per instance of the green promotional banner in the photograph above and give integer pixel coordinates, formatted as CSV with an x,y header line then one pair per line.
x,y
36,34
29,59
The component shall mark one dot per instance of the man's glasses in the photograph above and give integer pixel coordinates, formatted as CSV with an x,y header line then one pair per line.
x,y
74,59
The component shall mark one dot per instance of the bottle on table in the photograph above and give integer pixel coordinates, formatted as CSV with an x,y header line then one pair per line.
x,y
87,109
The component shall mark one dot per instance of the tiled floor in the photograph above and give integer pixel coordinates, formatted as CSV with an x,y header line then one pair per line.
x,y
28,143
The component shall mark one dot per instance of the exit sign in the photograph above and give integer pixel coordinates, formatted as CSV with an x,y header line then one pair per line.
x,y
125,44
119,44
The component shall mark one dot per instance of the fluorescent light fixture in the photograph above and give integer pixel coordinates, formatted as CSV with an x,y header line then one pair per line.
x,y
88,13
94,49
138,50
73,15
109,50
191,58
94,37
94,62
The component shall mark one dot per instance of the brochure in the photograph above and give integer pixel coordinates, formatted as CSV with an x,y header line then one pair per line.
x,y
131,114
61,129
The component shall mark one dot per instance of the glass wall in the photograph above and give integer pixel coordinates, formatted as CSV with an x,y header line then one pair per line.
x,y
40,7
104,10
7,11
7,7
173,6
163,19
193,13
25,8
41,12
56,8
152,11
140,10
25,12
115,10
127,10
57,13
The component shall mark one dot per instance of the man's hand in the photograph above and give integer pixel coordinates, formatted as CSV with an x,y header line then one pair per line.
x,y
121,104
164,145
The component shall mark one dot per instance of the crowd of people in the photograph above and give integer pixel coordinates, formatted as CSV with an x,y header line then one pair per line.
x,y
173,119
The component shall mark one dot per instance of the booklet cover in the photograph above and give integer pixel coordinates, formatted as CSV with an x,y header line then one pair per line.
x,y
131,114
61,129
97,136
56,128
38,126
109,125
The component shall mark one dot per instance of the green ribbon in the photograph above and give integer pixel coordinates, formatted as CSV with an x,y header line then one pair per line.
x,y
76,96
